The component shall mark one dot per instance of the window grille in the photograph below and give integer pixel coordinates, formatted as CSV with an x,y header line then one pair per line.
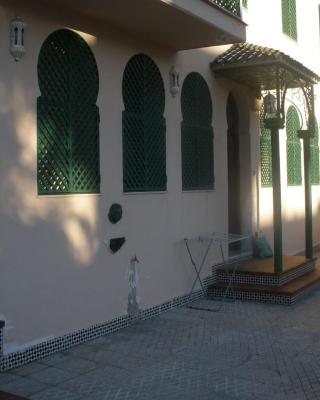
x,y
230,5
265,153
293,147
196,134
314,156
143,126
67,117
289,18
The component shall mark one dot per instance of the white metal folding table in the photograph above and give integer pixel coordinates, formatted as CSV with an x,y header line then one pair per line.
x,y
218,239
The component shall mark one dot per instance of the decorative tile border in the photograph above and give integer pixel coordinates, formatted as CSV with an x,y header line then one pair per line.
x,y
263,297
267,279
269,298
41,350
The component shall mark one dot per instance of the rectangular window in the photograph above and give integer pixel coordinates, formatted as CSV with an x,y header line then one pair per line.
x,y
289,18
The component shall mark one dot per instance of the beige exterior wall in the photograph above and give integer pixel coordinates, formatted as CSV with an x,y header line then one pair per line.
x,y
56,274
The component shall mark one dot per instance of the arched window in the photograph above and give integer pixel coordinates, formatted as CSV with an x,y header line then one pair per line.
x,y
196,134
289,18
265,153
293,147
314,156
143,126
68,118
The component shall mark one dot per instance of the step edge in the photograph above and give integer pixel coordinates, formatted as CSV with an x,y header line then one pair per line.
x,y
265,289
311,260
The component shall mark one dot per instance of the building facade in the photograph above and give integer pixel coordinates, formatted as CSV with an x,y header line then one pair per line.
x,y
117,105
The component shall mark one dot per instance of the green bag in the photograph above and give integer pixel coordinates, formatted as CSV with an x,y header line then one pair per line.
x,y
261,248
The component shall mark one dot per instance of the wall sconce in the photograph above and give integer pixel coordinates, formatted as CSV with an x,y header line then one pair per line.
x,y
270,104
174,81
17,38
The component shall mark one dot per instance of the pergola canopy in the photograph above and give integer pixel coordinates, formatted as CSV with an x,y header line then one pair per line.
x,y
259,67
264,69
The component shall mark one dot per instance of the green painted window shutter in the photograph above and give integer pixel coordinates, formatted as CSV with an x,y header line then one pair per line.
x,y
196,134
289,18
265,153
143,126
67,116
293,147
314,156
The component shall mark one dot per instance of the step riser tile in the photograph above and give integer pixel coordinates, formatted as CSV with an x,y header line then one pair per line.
x,y
266,280
262,297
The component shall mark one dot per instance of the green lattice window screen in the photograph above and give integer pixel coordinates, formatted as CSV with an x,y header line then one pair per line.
x,y
293,147
67,116
314,156
289,18
196,134
265,153
143,126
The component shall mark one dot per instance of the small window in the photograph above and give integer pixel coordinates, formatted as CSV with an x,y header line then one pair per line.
x,y
265,153
143,127
67,116
289,18
196,134
293,147
314,156
245,3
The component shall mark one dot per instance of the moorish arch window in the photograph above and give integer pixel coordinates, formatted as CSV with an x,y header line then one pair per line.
x,y
294,176
67,116
196,134
265,153
143,126
314,156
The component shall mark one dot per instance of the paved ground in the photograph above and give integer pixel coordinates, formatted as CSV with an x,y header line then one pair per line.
x,y
246,351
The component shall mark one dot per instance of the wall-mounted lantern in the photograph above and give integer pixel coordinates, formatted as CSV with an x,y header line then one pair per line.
x,y
270,104
17,38
174,81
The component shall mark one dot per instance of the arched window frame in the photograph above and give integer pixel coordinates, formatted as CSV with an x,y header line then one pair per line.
x,y
294,175
143,126
196,134
67,117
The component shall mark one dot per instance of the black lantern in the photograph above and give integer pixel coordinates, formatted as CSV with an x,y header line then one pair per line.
x,y
270,104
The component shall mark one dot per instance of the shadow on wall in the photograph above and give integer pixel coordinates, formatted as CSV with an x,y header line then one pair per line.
x,y
293,226
75,216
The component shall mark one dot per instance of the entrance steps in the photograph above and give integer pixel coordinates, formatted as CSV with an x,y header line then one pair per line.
x,y
255,280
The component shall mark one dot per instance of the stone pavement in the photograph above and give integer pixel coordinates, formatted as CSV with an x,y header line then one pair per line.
x,y
246,351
